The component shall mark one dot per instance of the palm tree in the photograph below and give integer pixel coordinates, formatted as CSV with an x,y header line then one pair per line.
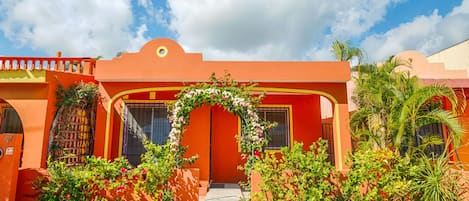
x,y
393,106
344,52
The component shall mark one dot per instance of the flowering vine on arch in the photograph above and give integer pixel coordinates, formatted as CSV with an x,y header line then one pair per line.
x,y
234,98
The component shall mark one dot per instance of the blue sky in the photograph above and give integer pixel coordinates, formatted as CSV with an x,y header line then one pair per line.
x,y
232,29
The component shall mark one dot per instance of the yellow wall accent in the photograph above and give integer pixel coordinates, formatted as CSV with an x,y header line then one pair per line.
x,y
152,95
23,76
161,51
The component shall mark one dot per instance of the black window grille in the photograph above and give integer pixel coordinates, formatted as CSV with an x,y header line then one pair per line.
x,y
143,121
434,129
278,136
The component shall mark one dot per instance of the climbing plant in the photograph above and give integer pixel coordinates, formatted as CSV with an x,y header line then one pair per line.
x,y
72,131
232,96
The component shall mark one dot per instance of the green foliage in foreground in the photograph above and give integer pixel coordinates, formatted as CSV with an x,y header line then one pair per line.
x,y
297,175
89,181
375,174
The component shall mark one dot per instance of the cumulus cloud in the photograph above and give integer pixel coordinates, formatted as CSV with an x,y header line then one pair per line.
x,y
270,29
139,40
426,33
77,28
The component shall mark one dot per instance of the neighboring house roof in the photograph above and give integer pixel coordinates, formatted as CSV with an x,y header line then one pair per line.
x,y
425,69
449,66
455,57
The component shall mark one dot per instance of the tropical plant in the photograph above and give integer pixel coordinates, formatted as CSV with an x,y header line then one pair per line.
x,y
393,106
434,179
343,51
377,174
297,175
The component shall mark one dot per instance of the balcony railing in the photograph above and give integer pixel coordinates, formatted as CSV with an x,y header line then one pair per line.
x,y
83,66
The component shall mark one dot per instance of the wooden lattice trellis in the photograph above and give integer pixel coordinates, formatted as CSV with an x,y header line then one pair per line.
x,y
72,135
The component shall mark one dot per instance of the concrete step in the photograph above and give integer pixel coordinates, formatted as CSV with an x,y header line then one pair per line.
x,y
224,191
203,187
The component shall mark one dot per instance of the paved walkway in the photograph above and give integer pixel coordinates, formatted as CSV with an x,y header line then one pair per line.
x,y
226,192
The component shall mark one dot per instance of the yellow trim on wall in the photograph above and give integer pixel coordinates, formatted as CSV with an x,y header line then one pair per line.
x,y
266,89
23,76
121,134
152,95
337,135
121,140
148,101
161,51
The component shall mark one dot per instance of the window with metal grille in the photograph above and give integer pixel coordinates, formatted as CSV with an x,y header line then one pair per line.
x,y
10,121
143,121
434,129
278,136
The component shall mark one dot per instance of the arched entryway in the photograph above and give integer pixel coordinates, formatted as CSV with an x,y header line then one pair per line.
x,y
11,124
10,121
11,140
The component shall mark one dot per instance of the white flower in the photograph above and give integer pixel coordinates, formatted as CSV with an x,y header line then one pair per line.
x,y
175,144
180,120
255,138
188,95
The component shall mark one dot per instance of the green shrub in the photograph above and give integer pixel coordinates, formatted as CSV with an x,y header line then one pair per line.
x,y
435,180
297,175
379,174
87,182
82,182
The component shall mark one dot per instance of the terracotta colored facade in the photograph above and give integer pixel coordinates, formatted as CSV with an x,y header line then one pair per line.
x,y
159,71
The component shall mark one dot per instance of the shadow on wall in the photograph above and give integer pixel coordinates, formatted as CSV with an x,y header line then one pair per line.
x,y
186,184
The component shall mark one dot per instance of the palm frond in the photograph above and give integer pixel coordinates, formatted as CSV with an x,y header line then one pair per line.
x,y
449,120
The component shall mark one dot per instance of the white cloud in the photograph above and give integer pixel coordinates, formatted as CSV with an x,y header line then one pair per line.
x,y
426,34
270,29
77,28
145,3
139,40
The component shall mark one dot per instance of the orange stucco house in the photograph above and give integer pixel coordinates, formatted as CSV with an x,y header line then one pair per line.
x,y
134,88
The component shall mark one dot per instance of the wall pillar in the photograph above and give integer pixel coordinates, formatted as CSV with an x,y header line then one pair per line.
x,y
32,113
342,137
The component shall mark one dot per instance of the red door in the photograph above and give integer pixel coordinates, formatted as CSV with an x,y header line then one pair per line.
x,y
225,157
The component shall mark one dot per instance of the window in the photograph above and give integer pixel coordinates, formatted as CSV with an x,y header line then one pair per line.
x,y
143,121
10,121
431,130
278,136
426,131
